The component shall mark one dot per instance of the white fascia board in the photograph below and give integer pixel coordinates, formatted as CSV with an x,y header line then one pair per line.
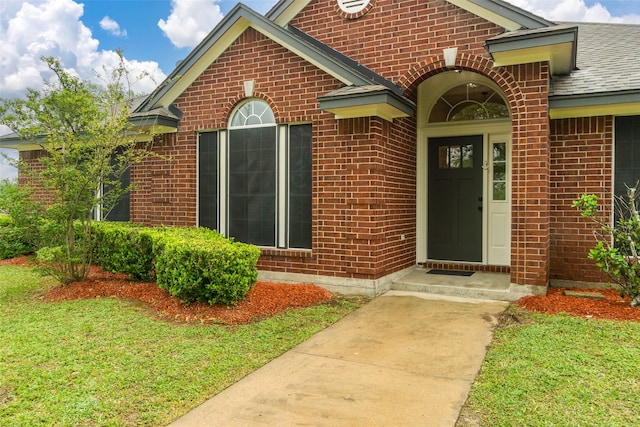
x,y
630,109
489,15
382,110
222,44
559,57
284,11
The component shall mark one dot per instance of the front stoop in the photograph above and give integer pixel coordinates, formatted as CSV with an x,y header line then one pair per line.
x,y
480,285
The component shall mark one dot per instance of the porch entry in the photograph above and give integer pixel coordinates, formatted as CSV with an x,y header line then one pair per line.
x,y
455,198
463,174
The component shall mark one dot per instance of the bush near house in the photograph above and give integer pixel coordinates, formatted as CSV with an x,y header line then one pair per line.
x,y
205,267
19,225
12,239
124,248
193,264
617,252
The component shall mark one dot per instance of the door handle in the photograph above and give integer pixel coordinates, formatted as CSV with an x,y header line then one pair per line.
x,y
480,198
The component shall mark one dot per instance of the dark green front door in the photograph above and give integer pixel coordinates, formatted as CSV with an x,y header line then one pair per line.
x,y
455,199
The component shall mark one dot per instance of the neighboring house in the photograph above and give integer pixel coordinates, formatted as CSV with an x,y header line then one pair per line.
x,y
354,139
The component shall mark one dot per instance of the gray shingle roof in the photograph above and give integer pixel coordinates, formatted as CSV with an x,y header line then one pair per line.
x,y
608,61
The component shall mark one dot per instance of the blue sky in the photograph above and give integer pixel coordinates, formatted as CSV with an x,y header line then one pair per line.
x,y
155,34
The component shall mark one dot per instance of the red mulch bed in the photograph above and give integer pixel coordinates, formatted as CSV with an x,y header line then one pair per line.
x,y
267,299
613,307
263,300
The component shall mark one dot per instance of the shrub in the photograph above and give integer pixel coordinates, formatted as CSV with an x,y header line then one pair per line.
x,y
193,264
5,220
201,265
12,240
18,210
123,248
617,252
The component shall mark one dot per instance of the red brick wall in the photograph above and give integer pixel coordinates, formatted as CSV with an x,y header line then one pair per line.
x,y
581,162
395,35
164,192
32,159
364,201
530,212
363,169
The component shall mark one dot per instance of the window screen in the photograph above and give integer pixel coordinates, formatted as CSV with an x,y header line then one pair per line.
x,y
300,186
252,185
627,158
208,180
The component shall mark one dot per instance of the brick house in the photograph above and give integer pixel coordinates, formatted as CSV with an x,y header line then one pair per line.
x,y
355,139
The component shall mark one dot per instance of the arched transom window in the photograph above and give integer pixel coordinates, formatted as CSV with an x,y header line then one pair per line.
x,y
469,101
253,113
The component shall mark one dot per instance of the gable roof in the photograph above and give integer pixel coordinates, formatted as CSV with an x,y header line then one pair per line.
x,y
349,72
499,12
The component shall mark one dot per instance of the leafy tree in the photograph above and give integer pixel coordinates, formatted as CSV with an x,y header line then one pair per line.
x,y
89,144
617,251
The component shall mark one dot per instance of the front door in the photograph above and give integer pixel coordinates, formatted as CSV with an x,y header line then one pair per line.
x,y
455,198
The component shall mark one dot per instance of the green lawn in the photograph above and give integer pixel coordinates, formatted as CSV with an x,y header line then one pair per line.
x,y
560,371
107,362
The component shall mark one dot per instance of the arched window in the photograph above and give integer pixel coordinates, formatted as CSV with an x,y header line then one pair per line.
x,y
252,113
469,101
252,180
255,179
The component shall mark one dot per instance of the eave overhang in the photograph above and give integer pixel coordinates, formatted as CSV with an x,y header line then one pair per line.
x,y
557,45
156,121
365,101
14,142
619,103
144,127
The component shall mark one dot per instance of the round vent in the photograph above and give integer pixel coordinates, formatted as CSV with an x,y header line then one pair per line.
x,y
353,6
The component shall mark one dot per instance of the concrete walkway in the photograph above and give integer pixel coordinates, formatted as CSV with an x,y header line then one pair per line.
x,y
404,359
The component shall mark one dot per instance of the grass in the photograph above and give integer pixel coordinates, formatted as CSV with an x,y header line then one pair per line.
x,y
106,362
560,371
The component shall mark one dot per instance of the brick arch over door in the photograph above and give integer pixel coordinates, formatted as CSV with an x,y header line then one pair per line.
x,y
530,246
500,76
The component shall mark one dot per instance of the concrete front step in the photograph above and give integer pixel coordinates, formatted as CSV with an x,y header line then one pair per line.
x,y
480,285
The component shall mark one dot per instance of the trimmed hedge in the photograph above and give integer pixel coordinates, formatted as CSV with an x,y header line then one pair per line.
x,y
123,248
193,264
203,269
13,240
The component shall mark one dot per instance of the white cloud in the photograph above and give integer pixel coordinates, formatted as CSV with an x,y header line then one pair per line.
x,y
112,26
573,11
190,21
35,28
7,171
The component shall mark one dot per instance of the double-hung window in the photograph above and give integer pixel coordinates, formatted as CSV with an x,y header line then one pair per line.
x,y
254,179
